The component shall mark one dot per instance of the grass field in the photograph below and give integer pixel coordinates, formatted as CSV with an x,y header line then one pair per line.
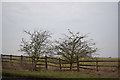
x,y
17,69
54,74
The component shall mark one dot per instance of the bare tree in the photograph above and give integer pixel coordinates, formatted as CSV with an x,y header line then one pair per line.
x,y
74,46
37,45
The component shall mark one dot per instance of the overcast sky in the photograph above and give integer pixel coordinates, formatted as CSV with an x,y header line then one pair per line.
x,y
98,19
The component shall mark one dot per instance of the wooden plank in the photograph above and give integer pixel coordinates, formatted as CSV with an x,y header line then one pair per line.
x,y
15,62
107,66
40,64
87,68
41,57
15,56
16,59
98,61
107,61
10,55
87,61
69,70
69,66
9,61
5,58
5,55
52,65
86,65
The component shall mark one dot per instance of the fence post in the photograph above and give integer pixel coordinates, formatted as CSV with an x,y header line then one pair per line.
x,y
10,58
32,63
60,64
96,65
78,64
46,62
21,59
1,56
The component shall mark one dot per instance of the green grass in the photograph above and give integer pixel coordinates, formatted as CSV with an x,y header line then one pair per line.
x,y
52,74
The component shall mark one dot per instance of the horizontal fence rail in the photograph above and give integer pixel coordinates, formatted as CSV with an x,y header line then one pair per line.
x,y
61,64
100,61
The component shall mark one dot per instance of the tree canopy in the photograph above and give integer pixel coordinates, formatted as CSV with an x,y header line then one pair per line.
x,y
74,45
37,46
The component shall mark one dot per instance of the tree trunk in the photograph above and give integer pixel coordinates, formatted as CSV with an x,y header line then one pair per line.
x,y
46,63
77,64
60,64
34,64
70,66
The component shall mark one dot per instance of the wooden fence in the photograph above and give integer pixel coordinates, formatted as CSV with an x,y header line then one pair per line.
x,y
62,65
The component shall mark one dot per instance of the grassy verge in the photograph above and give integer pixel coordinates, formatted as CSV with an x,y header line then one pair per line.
x,y
52,74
